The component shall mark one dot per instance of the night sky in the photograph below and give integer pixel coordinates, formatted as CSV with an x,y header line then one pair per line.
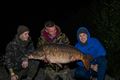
x,y
66,15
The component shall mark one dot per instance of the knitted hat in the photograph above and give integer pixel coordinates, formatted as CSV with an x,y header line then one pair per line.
x,y
49,23
21,29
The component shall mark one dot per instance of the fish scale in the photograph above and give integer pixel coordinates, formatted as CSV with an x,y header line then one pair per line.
x,y
59,54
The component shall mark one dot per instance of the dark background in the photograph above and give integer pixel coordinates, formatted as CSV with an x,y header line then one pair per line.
x,y
65,14
101,17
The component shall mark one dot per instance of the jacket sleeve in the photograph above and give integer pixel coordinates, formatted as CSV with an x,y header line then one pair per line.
x,y
31,47
63,39
9,57
41,41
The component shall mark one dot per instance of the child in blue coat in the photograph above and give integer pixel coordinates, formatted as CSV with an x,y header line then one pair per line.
x,y
93,47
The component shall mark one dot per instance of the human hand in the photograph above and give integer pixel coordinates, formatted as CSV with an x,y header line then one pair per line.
x,y
14,77
94,67
24,64
30,56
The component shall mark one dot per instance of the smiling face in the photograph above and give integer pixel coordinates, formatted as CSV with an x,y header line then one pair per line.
x,y
24,36
83,37
51,30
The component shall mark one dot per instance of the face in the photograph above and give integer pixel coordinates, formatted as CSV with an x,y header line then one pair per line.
x,y
24,36
83,37
51,30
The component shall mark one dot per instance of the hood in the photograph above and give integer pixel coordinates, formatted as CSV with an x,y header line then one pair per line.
x,y
83,30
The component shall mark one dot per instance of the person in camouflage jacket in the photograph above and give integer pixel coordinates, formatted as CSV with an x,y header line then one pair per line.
x,y
51,33
16,60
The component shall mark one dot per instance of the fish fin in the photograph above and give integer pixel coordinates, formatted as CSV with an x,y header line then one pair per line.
x,y
59,65
90,58
86,62
72,58
46,61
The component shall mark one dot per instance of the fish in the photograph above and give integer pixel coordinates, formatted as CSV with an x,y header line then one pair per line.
x,y
59,54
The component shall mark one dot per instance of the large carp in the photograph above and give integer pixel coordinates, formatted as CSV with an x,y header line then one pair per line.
x,y
59,54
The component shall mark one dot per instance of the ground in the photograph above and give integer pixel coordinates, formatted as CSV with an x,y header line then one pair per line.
x,y
3,73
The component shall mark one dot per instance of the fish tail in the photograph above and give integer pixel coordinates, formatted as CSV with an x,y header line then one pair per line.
x,y
86,62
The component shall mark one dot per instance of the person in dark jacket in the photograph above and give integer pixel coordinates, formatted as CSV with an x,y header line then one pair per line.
x,y
93,47
16,60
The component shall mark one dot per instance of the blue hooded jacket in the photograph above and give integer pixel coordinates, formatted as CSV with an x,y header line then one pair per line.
x,y
92,47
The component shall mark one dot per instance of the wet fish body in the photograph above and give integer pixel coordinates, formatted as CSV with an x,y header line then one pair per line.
x,y
59,54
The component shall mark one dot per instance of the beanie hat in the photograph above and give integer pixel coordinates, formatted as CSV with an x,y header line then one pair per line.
x,y
49,24
21,29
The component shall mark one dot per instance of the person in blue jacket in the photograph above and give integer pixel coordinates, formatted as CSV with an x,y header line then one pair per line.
x,y
93,47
